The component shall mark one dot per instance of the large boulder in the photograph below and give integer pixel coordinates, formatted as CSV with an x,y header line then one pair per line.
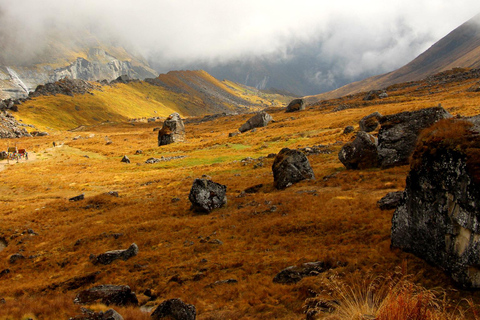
x,y
370,123
206,195
173,130
110,314
361,153
399,132
438,219
108,294
174,309
289,167
110,256
296,105
257,121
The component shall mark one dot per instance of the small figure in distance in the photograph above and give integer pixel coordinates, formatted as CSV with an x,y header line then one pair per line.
x,y
54,144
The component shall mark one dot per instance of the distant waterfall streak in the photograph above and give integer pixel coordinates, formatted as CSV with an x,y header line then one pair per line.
x,y
16,79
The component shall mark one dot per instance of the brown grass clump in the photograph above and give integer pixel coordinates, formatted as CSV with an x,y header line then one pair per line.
x,y
391,297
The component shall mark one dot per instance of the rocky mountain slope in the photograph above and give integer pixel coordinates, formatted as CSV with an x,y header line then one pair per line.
x,y
83,57
460,48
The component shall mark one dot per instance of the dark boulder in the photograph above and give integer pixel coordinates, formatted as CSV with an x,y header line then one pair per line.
x,y
438,219
77,198
391,201
125,159
173,130
348,130
174,309
110,256
371,122
361,153
233,134
294,274
399,132
16,257
91,315
371,95
257,121
107,294
206,195
296,105
289,167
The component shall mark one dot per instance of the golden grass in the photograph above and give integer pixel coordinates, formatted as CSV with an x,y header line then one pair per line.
x,y
333,218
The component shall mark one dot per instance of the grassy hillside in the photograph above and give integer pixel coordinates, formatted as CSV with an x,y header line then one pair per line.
x,y
121,102
333,218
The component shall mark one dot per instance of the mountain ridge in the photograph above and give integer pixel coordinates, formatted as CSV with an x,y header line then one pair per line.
x,y
458,49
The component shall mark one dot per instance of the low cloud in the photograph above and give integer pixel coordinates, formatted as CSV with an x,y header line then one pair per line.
x,y
357,37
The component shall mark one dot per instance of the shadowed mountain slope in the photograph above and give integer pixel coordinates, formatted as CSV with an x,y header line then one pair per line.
x,y
460,48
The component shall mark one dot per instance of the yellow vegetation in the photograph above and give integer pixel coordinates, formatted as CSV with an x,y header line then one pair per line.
x,y
333,218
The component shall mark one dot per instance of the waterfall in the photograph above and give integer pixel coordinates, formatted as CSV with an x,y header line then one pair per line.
x,y
16,79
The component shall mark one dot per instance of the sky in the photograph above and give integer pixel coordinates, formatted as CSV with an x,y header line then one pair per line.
x,y
369,35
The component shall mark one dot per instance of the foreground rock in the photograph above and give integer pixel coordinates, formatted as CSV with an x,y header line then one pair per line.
x,y
361,153
206,195
294,274
399,132
91,315
173,130
391,201
107,294
296,105
438,220
110,256
257,121
174,309
289,167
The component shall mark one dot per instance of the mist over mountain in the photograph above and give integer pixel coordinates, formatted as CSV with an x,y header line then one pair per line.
x,y
306,48
458,49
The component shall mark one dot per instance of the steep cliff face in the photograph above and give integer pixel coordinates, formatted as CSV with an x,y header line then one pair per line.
x,y
17,81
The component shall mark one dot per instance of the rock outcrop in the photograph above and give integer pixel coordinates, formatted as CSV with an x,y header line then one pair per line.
x,y
206,195
289,167
107,294
174,309
110,256
296,105
399,132
173,130
257,121
438,220
11,128
66,86
361,153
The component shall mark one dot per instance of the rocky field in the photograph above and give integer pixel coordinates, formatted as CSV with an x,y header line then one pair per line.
x,y
106,218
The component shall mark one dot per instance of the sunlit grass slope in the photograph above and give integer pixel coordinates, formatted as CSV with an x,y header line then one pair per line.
x,y
334,218
122,102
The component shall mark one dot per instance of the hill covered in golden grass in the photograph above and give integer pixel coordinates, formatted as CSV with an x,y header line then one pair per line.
x,y
190,93
185,255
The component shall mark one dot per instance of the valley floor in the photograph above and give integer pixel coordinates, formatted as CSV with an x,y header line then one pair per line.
x,y
333,218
